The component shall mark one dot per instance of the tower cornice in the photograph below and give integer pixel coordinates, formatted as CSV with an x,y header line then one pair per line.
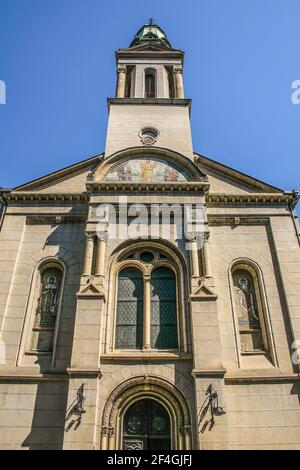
x,y
150,53
148,101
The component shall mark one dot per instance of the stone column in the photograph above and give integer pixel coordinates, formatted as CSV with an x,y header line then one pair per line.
x,y
101,248
180,437
178,82
188,438
89,251
111,439
194,258
121,81
104,439
207,260
147,313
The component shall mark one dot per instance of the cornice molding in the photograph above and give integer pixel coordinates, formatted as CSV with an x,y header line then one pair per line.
x,y
199,186
151,101
255,198
37,196
154,52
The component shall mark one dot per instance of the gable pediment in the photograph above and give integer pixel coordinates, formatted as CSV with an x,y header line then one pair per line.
x,y
163,166
148,46
68,179
226,180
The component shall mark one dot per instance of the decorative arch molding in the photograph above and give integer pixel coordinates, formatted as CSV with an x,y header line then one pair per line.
x,y
165,245
70,261
246,261
141,387
187,166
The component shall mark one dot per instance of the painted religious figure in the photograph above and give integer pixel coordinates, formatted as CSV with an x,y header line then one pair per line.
x,y
49,297
146,170
247,312
124,173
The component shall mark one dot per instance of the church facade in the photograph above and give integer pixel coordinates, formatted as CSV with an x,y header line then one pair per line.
x,y
149,295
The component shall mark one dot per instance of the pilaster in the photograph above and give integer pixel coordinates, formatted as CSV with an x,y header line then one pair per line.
x,y
121,70
85,360
212,431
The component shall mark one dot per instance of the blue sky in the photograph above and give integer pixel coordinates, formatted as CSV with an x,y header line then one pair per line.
x,y
57,60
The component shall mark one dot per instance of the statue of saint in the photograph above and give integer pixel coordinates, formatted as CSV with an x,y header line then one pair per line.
x,y
49,297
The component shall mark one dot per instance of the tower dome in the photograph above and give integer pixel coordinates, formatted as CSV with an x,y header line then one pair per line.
x,y
150,33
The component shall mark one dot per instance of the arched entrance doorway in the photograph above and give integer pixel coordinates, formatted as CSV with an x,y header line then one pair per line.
x,y
146,426
143,409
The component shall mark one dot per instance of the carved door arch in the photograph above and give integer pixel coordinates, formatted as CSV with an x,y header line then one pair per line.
x,y
146,426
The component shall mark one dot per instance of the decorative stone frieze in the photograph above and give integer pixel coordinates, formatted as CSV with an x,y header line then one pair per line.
x,y
239,220
54,220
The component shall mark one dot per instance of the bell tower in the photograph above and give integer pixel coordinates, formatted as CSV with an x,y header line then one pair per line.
x,y
149,107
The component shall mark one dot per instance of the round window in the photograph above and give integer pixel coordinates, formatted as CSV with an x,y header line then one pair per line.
x,y
147,256
148,135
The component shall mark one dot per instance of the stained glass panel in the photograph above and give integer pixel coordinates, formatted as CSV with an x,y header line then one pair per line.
x,y
129,328
163,309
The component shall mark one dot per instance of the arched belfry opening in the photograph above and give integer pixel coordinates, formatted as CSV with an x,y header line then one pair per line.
x,y
150,83
146,413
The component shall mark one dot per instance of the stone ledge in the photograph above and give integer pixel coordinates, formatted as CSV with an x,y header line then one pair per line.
x,y
78,372
265,378
155,356
11,375
151,101
208,372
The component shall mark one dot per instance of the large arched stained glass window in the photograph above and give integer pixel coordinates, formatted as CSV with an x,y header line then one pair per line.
x,y
129,326
163,309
